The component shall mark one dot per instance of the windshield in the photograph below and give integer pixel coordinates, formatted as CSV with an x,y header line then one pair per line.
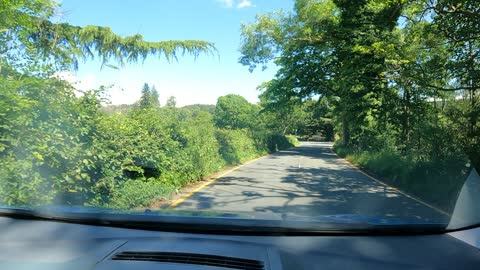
x,y
351,112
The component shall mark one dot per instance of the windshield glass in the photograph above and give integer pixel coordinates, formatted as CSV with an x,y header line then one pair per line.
x,y
347,111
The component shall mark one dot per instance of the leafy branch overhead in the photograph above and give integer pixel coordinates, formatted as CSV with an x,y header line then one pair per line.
x,y
27,27
94,41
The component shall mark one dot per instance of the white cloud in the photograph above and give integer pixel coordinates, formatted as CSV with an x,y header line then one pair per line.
x,y
244,4
226,3
235,3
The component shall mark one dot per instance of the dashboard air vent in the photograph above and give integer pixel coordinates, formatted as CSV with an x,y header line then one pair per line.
x,y
190,258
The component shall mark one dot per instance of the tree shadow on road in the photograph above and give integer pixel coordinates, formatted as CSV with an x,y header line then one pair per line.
x,y
309,192
346,191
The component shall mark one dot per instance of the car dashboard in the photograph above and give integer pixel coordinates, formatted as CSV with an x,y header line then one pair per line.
x,y
27,244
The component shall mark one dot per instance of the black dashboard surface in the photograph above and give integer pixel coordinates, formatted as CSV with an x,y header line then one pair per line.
x,y
26,244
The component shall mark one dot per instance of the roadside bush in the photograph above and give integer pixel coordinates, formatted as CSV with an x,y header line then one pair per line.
x,y
386,163
236,146
46,139
276,142
56,148
292,140
200,147
138,193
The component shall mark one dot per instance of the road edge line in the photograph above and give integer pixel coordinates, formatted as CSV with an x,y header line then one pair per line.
x,y
202,186
394,188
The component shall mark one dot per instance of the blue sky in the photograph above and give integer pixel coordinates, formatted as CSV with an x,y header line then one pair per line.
x,y
190,81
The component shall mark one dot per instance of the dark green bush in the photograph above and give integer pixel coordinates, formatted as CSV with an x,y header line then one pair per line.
x,y
236,146
277,142
200,146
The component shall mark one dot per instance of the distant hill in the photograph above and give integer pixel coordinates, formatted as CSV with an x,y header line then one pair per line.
x,y
200,107
122,108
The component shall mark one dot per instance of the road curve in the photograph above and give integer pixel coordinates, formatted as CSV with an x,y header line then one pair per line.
x,y
308,180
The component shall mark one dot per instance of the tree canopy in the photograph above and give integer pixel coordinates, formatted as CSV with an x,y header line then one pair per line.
x,y
401,78
370,58
234,111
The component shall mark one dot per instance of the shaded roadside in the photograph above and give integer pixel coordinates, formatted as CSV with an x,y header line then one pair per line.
x,y
308,180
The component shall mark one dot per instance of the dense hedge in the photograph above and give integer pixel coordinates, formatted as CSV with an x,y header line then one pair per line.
x,y
56,148
237,146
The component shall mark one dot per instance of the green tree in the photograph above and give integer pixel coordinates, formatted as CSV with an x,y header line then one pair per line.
x,y
458,23
145,99
155,97
336,49
149,97
234,112
171,102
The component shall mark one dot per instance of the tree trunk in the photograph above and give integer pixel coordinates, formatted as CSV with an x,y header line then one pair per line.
x,y
406,118
345,133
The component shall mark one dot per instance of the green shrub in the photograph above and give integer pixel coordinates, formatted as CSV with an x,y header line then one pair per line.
x,y
276,142
386,163
292,140
200,146
138,193
236,146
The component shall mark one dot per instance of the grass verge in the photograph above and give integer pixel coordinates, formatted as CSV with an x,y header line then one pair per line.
x,y
436,183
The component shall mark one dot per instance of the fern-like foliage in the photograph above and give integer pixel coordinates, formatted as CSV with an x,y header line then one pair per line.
x,y
29,33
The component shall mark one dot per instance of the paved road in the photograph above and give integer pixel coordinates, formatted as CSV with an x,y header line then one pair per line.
x,y
309,180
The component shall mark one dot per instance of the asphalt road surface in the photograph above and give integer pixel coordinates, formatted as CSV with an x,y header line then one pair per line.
x,y
308,180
